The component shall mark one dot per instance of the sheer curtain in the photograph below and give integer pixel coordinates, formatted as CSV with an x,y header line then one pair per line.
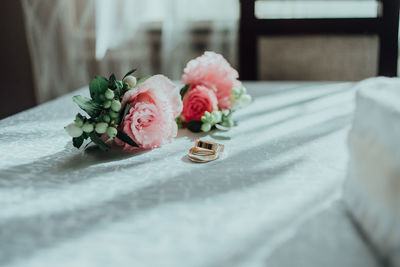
x,y
72,40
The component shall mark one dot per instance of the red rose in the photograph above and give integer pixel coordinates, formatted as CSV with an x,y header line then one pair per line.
x,y
197,101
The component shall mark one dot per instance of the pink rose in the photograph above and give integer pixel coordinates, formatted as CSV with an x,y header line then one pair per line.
x,y
150,121
197,101
212,71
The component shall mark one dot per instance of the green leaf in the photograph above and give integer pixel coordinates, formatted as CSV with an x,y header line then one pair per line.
x,y
119,90
222,128
129,73
112,82
126,110
125,138
89,106
184,90
97,88
78,141
179,122
88,144
194,126
112,78
96,139
120,85
141,80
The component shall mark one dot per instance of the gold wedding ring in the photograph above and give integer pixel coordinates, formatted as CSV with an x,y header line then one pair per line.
x,y
209,145
205,151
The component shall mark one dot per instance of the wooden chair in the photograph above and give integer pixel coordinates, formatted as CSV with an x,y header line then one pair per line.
x,y
384,26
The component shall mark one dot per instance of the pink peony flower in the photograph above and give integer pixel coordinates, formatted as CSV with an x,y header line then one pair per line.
x,y
150,121
213,71
197,101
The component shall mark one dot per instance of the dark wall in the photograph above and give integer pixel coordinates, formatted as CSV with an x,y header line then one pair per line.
x,y
16,80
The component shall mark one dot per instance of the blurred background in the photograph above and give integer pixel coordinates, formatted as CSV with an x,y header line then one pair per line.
x,y
51,47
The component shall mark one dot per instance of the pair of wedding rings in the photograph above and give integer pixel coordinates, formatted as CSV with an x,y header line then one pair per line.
x,y
205,151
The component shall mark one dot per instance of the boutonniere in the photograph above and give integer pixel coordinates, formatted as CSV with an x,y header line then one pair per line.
x,y
135,113
211,93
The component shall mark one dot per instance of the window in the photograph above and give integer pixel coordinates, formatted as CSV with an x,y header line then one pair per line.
x,y
286,9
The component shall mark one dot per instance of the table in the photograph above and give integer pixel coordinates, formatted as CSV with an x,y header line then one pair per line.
x,y
272,200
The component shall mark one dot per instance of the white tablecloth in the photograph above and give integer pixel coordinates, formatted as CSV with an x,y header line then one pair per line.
x,y
283,170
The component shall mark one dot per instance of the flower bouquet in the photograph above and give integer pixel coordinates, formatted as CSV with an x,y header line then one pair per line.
x,y
145,113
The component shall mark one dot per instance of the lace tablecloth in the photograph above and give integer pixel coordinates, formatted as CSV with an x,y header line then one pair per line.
x,y
273,198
